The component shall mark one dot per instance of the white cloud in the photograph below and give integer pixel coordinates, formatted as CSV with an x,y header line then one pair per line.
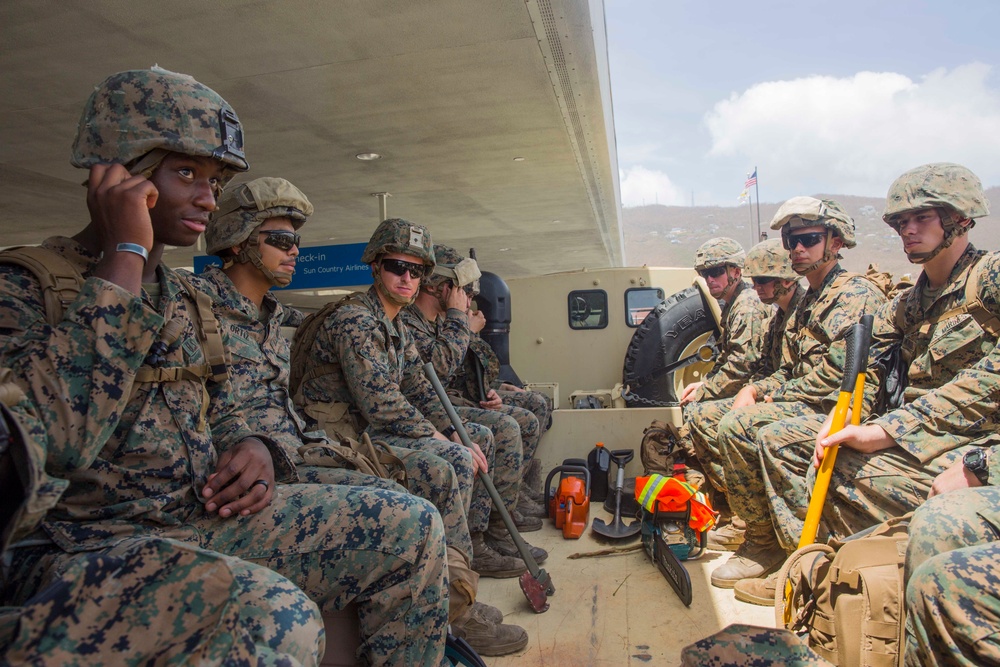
x,y
855,135
641,186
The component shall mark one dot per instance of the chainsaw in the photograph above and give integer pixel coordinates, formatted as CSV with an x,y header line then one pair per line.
x,y
669,540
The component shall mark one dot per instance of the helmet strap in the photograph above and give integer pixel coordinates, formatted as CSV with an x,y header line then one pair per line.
x,y
384,291
952,231
250,254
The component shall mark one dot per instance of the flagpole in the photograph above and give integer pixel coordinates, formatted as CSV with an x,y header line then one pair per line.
x,y
756,189
750,211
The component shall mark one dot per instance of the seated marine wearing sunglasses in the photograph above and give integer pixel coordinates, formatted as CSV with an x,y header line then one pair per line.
x,y
769,267
777,408
365,374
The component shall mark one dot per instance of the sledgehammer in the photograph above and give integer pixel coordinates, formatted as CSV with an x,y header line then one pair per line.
x,y
536,584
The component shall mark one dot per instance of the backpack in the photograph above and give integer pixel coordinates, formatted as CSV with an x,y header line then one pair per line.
x,y
302,346
61,282
849,596
664,445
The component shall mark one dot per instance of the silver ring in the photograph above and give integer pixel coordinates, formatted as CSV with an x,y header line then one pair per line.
x,y
262,482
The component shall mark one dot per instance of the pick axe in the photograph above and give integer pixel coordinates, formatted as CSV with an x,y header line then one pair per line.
x,y
859,339
536,584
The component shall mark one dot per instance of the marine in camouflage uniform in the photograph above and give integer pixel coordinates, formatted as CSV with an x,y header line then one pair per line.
x,y
806,383
886,466
145,451
261,218
953,589
439,324
147,599
364,366
740,350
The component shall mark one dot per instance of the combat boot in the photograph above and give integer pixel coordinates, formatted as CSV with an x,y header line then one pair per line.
x,y
528,507
759,555
488,562
757,591
532,481
728,537
499,539
487,635
525,524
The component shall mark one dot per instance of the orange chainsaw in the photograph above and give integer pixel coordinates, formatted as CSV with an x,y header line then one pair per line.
x,y
569,504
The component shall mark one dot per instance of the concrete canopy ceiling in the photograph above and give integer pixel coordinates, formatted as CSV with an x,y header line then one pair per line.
x,y
448,92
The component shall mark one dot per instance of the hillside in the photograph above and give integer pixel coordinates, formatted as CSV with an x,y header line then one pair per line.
x,y
670,235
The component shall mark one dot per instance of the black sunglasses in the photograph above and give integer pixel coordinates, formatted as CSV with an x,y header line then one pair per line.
x,y
807,240
398,267
282,239
766,280
714,272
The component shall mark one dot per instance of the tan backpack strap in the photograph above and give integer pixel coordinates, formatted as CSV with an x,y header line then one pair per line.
x,y
986,319
209,333
59,280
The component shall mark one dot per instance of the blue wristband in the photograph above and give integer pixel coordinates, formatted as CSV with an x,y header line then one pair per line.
x,y
133,248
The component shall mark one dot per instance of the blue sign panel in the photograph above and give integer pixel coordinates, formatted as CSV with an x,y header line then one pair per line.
x,y
318,267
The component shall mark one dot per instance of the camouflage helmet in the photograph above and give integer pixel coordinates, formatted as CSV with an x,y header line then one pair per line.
x,y
769,259
450,265
809,212
244,207
136,117
398,235
719,252
938,185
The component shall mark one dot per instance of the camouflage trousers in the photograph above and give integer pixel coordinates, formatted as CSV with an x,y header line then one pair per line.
x,y
534,402
751,646
382,550
456,524
865,489
953,589
428,476
702,420
505,464
153,599
746,487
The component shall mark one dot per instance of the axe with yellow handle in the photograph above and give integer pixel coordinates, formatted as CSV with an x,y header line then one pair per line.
x,y
859,339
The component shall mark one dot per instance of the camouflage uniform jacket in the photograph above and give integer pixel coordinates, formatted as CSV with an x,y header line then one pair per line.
x,y
463,381
814,349
260,360
953,377
442,342
133,455
770,353
373,363
739,348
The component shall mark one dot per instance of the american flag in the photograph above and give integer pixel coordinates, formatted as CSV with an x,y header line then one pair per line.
x,y
751,180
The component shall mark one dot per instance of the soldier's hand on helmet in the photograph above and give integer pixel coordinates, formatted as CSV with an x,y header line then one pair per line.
x,y
492,402
477,321
455,298
243,481
867,439
690,393
745,397
953,478
119,206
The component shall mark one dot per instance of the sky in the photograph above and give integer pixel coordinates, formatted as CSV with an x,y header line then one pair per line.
x,y
823,98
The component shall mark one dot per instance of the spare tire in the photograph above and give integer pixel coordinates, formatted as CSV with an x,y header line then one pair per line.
x,y
674,329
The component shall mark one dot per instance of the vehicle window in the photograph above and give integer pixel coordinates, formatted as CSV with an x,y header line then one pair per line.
x,y
588,309
639,302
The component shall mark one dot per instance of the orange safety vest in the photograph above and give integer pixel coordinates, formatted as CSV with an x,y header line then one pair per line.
x,y
672,495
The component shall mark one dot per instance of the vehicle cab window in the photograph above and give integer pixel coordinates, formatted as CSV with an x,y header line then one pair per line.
x,y
639,302
588,309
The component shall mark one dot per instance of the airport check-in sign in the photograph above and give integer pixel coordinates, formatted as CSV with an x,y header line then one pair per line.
x,y
318,267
